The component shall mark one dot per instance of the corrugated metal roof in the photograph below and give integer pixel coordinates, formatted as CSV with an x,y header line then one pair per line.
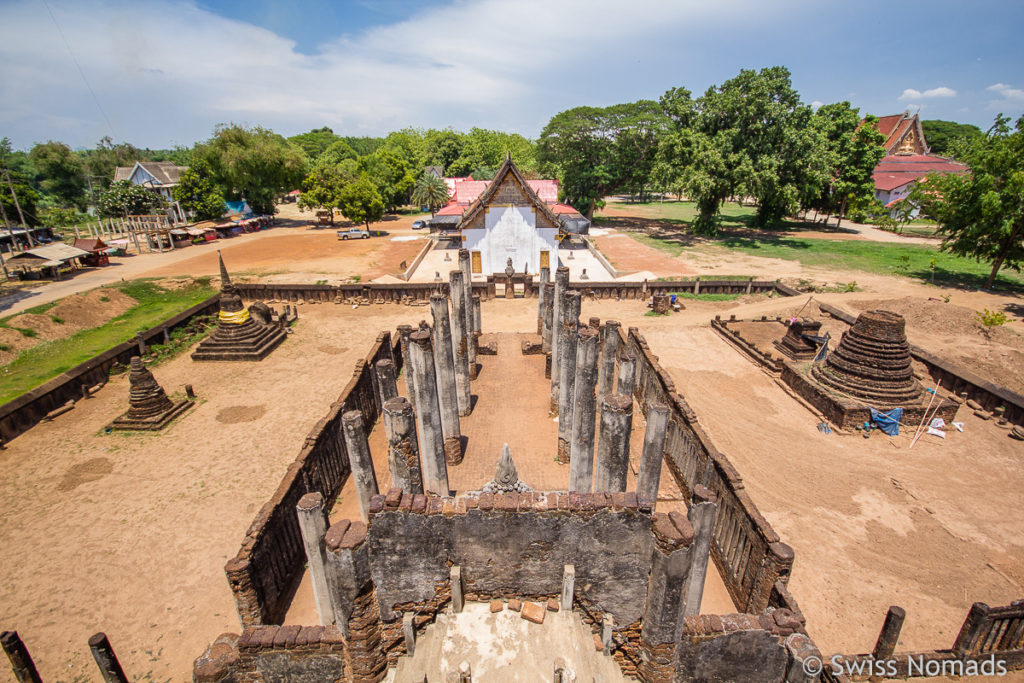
x,y
51,252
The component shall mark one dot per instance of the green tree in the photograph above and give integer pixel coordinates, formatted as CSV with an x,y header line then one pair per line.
x,y
322,187
196,192
853,152
442,148
23,174
483,151
360,202
61,173
101,162
981,213
391,174
337,152
255,164
125,199
315,142
430,191
941,135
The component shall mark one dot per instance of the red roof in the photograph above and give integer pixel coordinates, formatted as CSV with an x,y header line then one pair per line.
x,y
468,190
563,208
897,170
453,209
547,190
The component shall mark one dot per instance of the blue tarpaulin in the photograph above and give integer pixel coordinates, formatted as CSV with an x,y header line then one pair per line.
x,y
888,422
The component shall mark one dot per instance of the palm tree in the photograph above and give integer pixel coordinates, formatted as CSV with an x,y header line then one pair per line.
x,y
430,191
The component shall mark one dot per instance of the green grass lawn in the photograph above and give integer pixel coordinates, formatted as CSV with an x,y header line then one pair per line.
x,y
673,237
45,361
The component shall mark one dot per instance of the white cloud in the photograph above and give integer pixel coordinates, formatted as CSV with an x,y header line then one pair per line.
x,y
941,91
167,71
1007,92
816,104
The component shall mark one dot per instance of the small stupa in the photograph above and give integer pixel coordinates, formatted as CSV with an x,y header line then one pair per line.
x,y
149,406
872,362
506,477
237,335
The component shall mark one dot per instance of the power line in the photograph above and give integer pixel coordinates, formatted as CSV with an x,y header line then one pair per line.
x,y
80,72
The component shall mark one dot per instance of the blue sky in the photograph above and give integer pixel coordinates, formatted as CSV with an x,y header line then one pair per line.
x,y
165,72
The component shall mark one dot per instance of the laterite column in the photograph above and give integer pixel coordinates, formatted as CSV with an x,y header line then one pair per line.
x,y
613,444
403,449
364,478
460,327
581,447
610,342
561,287
447,394
567,371
428,414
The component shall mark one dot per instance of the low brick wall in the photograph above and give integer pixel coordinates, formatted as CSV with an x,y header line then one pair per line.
x,y
23,413
265,573
745,548
304,654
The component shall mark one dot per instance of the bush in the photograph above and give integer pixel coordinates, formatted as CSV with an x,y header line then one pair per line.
x,y
991,318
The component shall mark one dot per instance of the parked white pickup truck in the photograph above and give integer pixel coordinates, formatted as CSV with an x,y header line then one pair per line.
x,y
353,234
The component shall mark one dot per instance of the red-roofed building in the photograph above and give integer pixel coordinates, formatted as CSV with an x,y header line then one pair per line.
x,y
509,217
907,159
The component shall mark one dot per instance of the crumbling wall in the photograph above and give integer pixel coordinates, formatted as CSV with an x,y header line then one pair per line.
x,y
512,545
264,574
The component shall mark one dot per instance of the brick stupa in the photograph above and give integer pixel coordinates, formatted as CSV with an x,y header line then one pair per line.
x,y
149,406
237,335
872,362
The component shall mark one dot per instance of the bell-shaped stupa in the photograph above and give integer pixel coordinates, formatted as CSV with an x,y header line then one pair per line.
x,y
872,362
149,407
237,335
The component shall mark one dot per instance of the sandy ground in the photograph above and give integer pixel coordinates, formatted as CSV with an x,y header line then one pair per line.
x,y
146,522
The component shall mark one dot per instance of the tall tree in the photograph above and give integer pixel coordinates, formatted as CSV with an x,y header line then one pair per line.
x,y
391,174
360,202
430,191
101,162
322,187
442,148
255,164
981,213
941,135
315,142
853,152
61,173
196,192
126,199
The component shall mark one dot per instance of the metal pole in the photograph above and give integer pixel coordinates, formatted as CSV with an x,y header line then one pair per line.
x,y
28,233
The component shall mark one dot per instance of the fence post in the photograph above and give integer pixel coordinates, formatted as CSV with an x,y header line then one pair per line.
x,y
21,660
974,625
106,660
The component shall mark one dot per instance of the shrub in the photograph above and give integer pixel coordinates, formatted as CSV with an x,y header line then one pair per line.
x,y
991,318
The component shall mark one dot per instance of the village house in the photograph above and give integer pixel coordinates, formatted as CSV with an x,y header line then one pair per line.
x,y
159,176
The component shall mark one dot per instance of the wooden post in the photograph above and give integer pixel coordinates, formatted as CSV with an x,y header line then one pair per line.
x,y
21,661
106,660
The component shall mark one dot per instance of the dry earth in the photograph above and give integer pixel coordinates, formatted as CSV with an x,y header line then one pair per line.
x,y
129,533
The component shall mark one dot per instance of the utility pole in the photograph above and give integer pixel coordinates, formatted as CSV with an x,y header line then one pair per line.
x,y
28,232
11,233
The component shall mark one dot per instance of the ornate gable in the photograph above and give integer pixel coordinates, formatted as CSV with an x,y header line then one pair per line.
x,y
508,188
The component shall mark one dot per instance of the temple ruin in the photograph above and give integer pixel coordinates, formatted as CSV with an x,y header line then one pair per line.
x,y
149,406
238,336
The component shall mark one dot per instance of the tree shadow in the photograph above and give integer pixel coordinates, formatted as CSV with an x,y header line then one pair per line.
x,y
963,281
1016,310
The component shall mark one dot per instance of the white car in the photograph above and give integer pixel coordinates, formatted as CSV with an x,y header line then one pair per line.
x,y
419,225
354,234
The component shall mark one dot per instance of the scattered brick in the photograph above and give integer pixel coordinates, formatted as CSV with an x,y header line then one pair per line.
x,y
496,606
515,604
533,612
552,605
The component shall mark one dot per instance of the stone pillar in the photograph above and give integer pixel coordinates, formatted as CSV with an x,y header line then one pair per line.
x,y
568,586
649,477
474,369
403,448
447,394
581,444
701,515
546,316
403,336
567,371
106,660
613,444
627,376
461,327
313,525
363,476
663,607
467,303
387,386
21,661
890,633
428,414
561,286
455,578
804,657
610,342
409,633
778,562
545,275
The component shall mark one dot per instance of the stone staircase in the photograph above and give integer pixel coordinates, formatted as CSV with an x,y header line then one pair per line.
x,y
502,646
